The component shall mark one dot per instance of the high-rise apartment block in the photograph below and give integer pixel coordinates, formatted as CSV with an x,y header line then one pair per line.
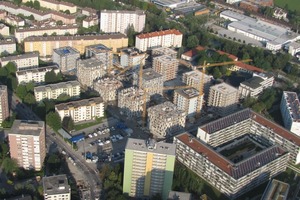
x,y
290,111
108,88
132,57
166,38
4,107
23,61
223,99
89,70
27,143
160,51
148,168
56,187
102,53
52,91
187,99
118,21
81,110
66,58
36,75
166,65
193,78
165,119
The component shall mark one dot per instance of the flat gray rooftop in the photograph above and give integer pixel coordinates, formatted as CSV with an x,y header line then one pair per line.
x,y
56,185
27,127
63,51
150,74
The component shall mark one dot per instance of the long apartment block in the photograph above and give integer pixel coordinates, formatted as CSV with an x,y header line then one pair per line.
x,y
235,167
36,75
45,45
27,143
56,5
81,110
52,91
108,88
114,21
4,107
165,119
24,32
23,61
11,19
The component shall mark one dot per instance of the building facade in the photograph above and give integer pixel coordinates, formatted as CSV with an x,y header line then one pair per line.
x,y
66,58
160,51
148,168
166,38
193,78
52,91
23,61
108,88
4,107
167,66
27,143
8,46
187,100
81,110
118,21
36,75
56,187
223,99
132,57
102,53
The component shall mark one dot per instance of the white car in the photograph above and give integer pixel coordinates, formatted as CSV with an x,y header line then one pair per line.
x,y
107,141
90,135
95,134
100,144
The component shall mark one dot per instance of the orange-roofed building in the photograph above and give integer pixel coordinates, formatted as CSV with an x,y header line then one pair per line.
x,y
166,38
243,67
232,57
192,54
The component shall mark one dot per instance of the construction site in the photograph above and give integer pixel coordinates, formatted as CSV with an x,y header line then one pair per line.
x,y
108,88
166,65
163,51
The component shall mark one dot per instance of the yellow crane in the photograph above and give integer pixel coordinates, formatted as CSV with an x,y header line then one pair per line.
x,y
201,85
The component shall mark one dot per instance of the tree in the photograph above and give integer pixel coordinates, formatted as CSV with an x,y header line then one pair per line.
x,y
63,97
192,41
31,17
30,87
131,35
216,73
29,99
36,5
67,12
11,68
68,123
53,120
9,165
59,23
21,91
50,77
54,163
54,34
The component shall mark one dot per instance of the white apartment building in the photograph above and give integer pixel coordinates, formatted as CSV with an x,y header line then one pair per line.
x,y
89,70
4,107
8,45
132,57
187,100
114,21
81,110
166,65
52,91
36,75
22,61
165,119
254,86
89,21
66,58
290,111
4,30
223,99
24,32
102,53
166,38
56,187
27,143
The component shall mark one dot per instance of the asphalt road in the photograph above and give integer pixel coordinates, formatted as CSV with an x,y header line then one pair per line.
x,y
88,171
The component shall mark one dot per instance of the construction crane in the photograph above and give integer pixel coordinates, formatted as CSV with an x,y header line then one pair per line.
x,y
201,85
146,90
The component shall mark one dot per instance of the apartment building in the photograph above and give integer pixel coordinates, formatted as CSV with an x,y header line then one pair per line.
x,y
108,88
132,57
160,51
167,66
89,21
290,111
81,110
254,86
4,30
8,45
165,119
223,99
102,53
277,190
231,177
89,11
52,91
148,168
193,78
66,58
56,187
89,70
23,61
166,38
36,75
131,101
10,19
65,18
118,21
27,143
23,32
4,107
45,45
56,5
151,81
187,99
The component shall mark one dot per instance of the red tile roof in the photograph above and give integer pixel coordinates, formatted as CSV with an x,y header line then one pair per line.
x,y
232,57
193,52
159,33
249,67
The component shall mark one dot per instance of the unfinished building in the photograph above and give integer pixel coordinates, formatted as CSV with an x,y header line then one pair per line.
x,y
108,88
131,101
165,119
166,65
163,51
102,53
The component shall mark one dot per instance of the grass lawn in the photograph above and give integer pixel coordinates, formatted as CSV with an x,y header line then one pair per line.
x,y
86,125
292,4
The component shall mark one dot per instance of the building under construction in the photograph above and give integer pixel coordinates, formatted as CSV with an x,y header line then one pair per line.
x,y
102,53
108,88
163,51
131,101
165,119
166,65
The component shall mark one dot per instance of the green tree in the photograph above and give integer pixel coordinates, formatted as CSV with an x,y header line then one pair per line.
x,y
50,77
63,97
9,165
36,5
4,149
30,87
29,99
68,123
192,41
21,91
67,12
11,68
53,120
216,73
59,23
131,35
54,34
